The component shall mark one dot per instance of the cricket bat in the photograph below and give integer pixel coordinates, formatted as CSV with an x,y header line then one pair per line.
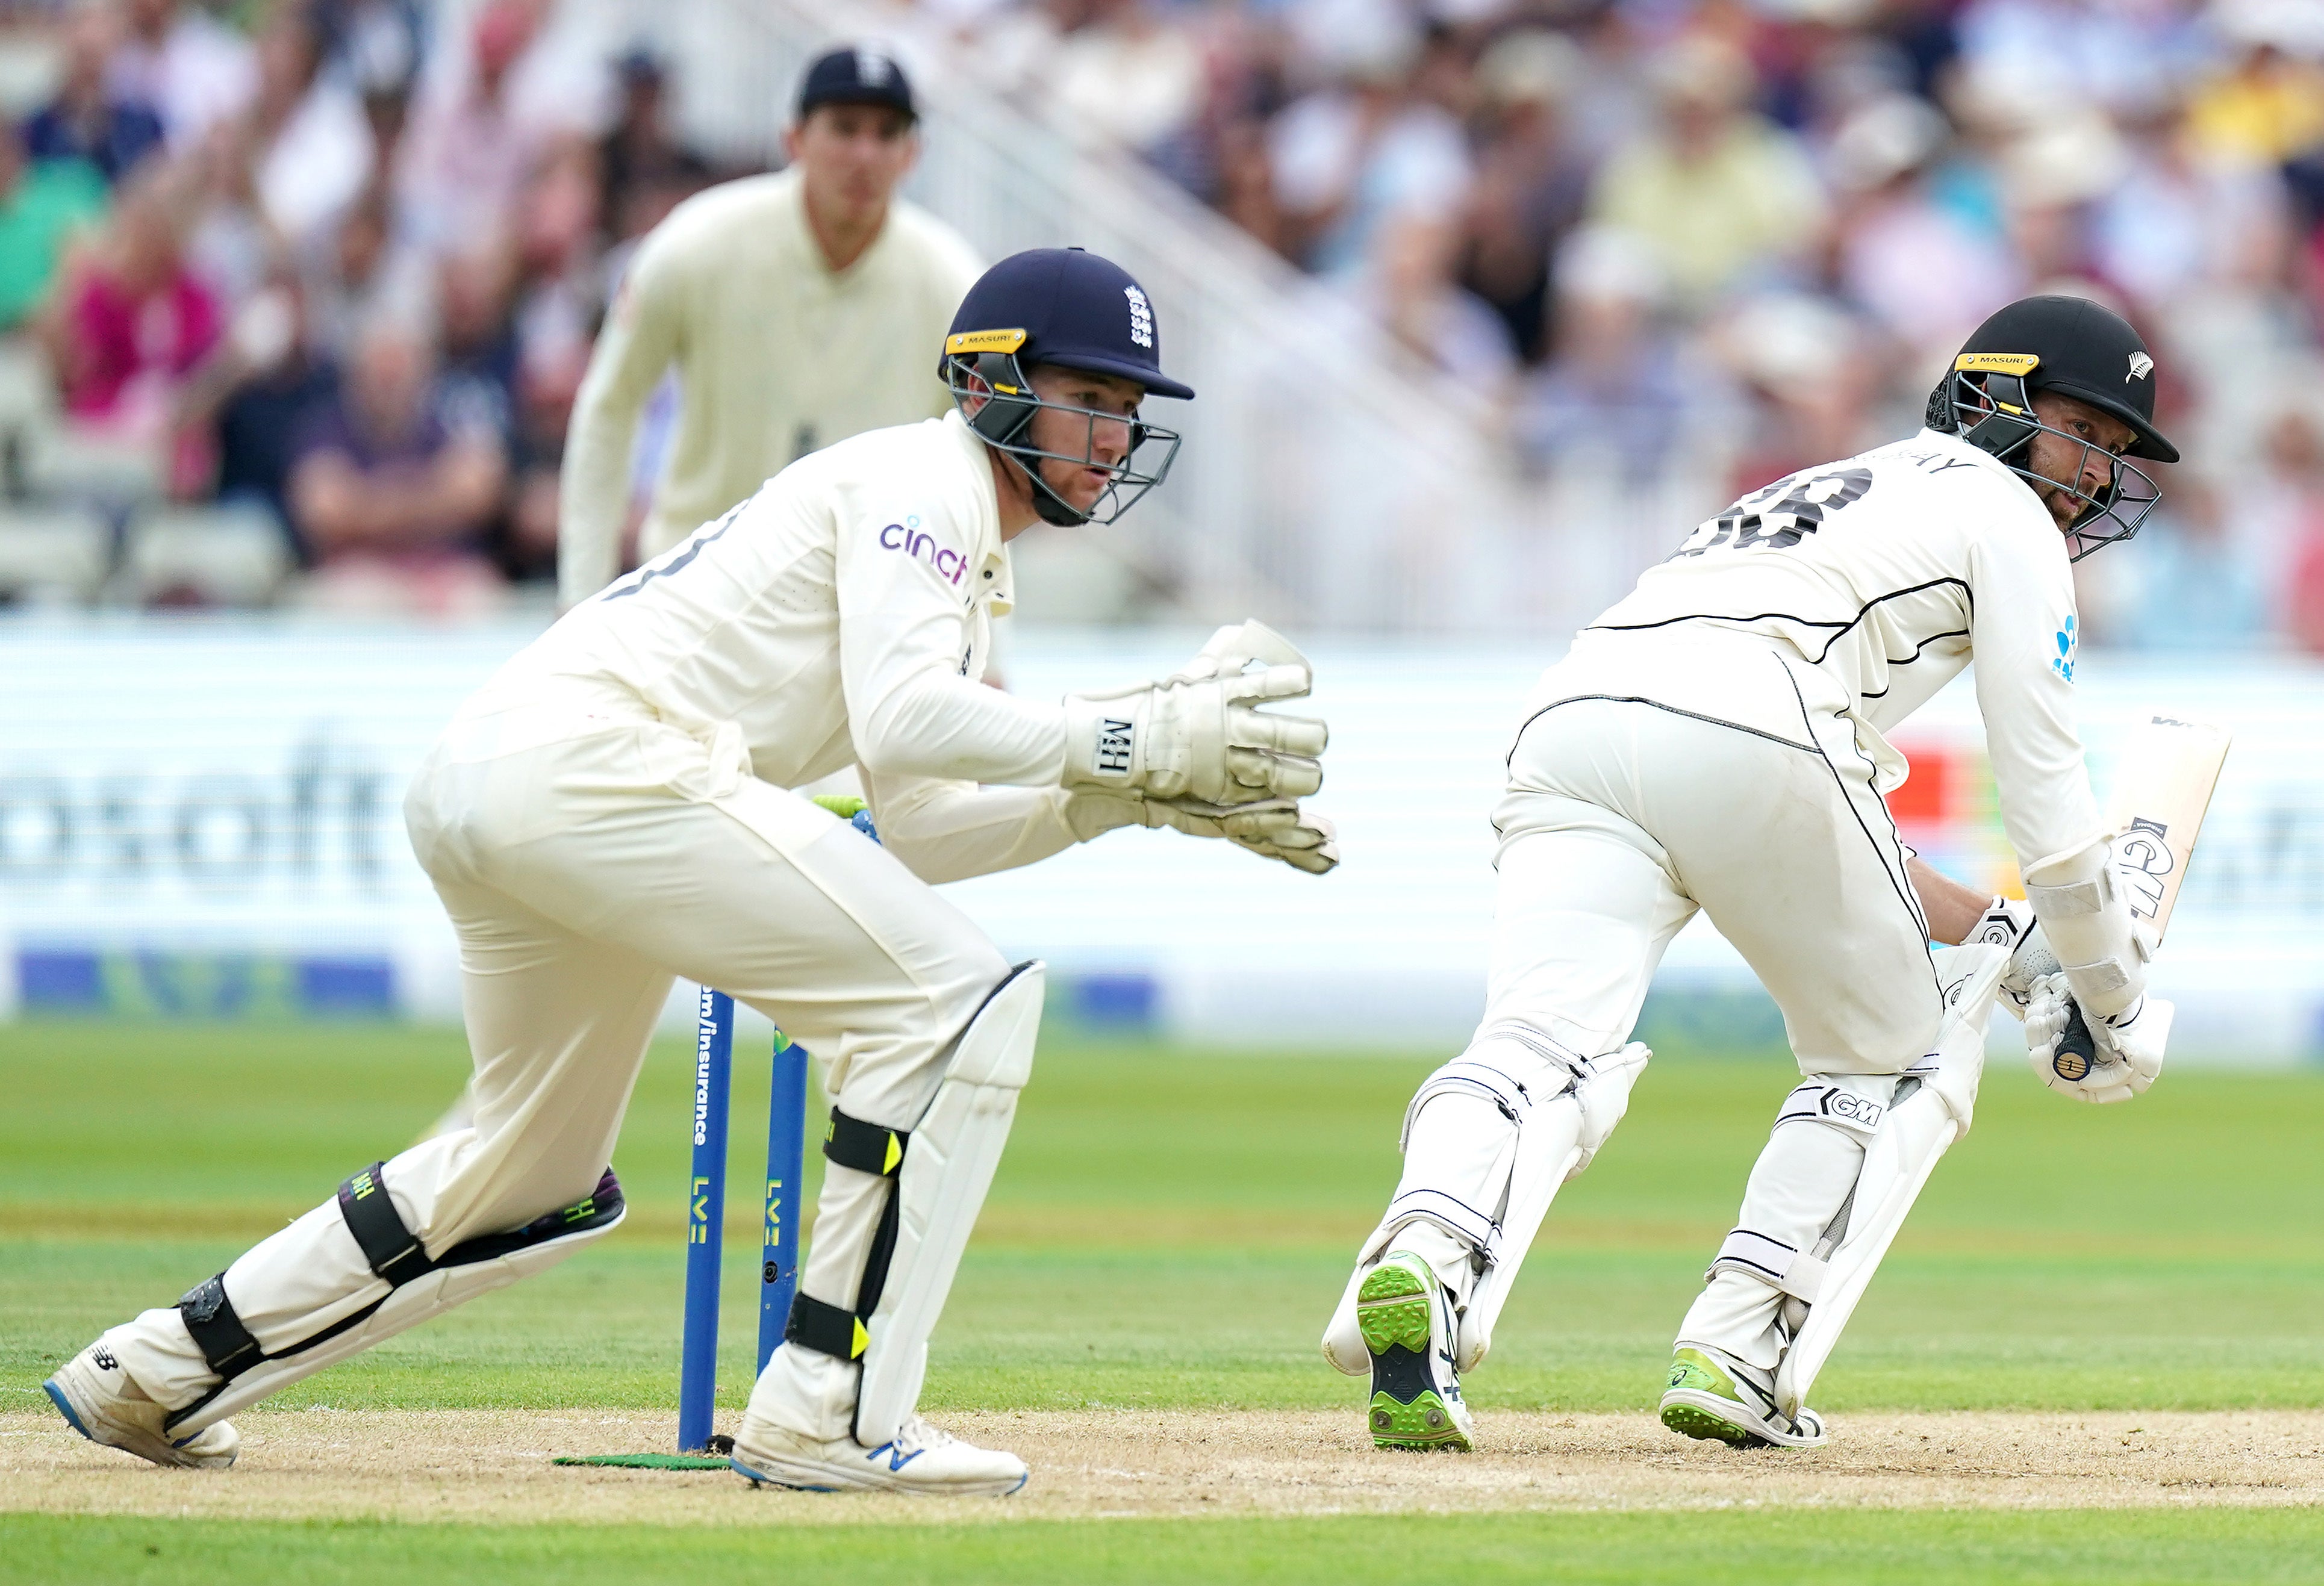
x,y
2161,794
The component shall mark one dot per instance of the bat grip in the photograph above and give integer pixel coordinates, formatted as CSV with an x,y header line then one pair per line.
x,y
2076,1052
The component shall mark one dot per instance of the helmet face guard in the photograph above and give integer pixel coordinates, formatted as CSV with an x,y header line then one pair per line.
x,y
1002,418
1987,401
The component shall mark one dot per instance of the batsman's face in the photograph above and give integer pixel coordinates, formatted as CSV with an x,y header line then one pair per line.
x,y
851,156
2085,463
1098,438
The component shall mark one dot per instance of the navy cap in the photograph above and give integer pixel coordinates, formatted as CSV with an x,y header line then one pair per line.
x,y
1064,306
856,74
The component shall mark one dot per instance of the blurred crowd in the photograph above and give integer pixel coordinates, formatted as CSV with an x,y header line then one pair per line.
x,y
1655,231
341,261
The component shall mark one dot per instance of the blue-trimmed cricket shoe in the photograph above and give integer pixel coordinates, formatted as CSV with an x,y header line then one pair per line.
x,y
100,1401
921,1459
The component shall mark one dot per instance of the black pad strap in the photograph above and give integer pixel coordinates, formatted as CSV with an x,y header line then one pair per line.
x,y
393,1251
867,1147
597,1209
218,1331
826,1329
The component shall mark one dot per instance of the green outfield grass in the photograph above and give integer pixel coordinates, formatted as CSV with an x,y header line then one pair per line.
x,y
1169,1230
1842,1547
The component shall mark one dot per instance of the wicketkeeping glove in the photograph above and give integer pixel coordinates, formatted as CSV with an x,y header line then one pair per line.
x,y
1195,734
2126,1049
1275,829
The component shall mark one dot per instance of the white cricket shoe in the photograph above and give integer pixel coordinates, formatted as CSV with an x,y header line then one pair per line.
x,y
1715,1396
102,1403
922,1458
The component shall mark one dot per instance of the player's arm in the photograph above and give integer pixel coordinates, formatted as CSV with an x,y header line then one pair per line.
x,y
1952,910
948,831
2022,633
642,336
903,643
1192,737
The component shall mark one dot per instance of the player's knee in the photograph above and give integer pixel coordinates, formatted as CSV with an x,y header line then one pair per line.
x,y
963,976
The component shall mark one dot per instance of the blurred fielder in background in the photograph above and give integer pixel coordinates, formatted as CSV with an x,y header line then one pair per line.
x,y
1715,742
797,310
616,808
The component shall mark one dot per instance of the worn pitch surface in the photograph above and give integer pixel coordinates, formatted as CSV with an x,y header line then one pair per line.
x,y
494,1465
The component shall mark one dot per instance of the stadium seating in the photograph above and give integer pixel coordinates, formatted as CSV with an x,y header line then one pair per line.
x,y
54,554
225,554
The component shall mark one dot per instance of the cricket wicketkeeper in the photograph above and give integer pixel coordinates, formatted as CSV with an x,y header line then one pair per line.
x,y
1715,743
614,810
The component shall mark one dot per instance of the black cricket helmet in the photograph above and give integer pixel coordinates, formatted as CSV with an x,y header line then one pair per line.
x,y
1070,307
2076,348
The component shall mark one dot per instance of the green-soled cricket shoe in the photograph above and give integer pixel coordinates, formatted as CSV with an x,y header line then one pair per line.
x,y
1416,1392
1705,1399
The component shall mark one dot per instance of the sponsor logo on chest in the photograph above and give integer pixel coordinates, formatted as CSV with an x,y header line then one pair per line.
x,y
912,540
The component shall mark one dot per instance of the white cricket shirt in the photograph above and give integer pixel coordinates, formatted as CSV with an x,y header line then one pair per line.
x,y
1872,581
777,356
840,616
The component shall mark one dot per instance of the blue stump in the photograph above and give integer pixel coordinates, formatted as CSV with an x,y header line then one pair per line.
x,y
705,1219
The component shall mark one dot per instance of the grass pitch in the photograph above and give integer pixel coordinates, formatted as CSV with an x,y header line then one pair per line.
x,y
1169,1230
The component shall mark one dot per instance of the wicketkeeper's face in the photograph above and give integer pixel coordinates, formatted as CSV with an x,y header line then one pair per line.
x,y
1088,446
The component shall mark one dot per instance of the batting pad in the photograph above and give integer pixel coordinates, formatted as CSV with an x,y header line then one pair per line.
x,y
1918,1130
956,1147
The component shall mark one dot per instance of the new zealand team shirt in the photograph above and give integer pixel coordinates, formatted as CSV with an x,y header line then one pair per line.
x,y
1874,582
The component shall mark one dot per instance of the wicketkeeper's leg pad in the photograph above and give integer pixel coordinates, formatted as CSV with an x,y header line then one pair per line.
x,y
942,1167
418,1287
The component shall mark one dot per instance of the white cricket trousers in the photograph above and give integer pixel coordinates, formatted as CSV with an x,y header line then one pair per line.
x,y
1622,819
588,854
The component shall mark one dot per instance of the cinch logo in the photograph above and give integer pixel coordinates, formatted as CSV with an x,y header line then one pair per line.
x,y
1141,318
950,565
2069,641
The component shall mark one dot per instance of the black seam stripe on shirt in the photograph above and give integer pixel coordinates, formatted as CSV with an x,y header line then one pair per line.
x,y
1900,886
1917,648
1509,764
1790,617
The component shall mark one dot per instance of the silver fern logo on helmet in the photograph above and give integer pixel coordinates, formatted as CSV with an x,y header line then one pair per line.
x,y
1141,318
2141,366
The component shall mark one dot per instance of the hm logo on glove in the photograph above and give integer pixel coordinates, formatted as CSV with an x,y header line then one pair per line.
x,y
1114,740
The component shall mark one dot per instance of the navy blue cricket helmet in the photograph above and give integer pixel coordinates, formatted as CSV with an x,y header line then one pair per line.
x,y
1074,309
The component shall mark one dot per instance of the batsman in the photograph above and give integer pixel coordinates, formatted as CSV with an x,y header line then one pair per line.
x,y
1715,742
614,809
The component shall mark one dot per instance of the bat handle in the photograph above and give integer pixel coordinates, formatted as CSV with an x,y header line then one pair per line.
x,y
2077,1050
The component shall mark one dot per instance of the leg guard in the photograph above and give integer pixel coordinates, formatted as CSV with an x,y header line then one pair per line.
x,y
418,1287
1489,1137
1932,1110
943,1168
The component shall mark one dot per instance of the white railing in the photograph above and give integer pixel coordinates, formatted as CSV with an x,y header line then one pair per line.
x,y
1329,478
